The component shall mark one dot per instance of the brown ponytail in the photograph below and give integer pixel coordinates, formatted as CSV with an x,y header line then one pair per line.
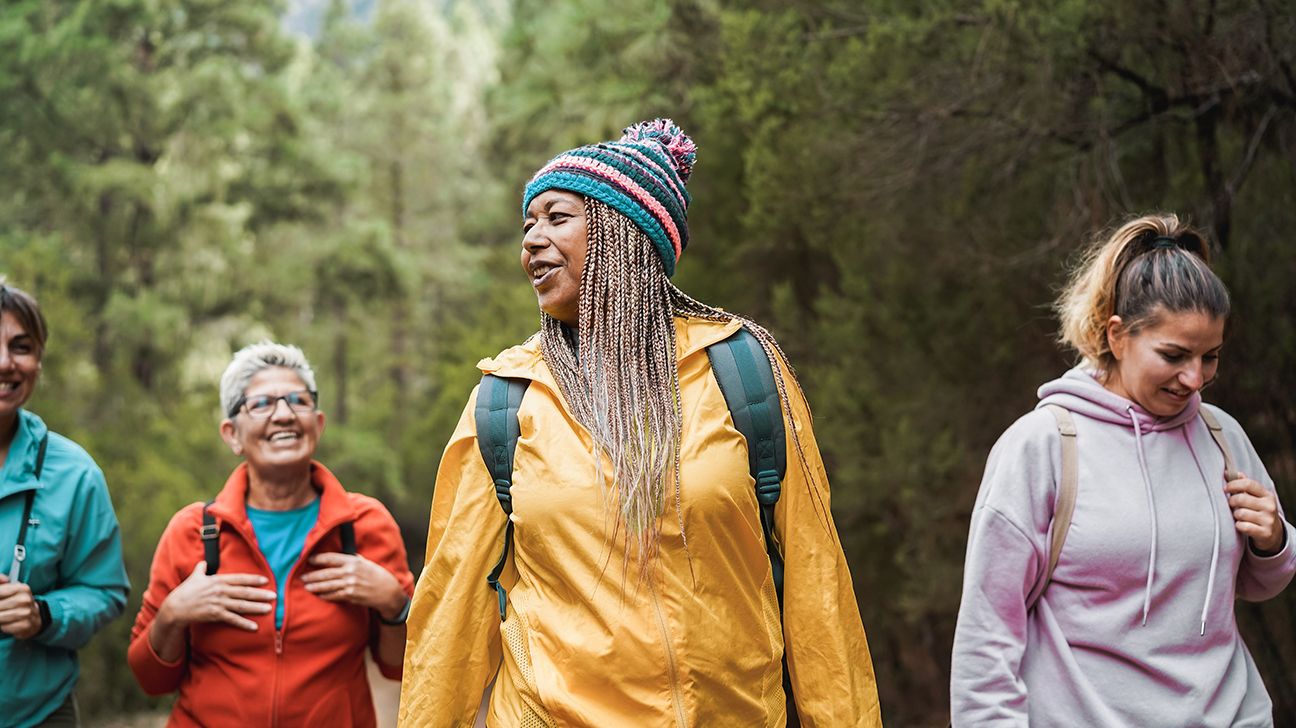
x,y
1148,264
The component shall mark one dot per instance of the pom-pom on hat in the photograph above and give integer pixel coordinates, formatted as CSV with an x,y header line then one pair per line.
x,y
641,175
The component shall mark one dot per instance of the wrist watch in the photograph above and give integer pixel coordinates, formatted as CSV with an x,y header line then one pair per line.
x,y
45,618
400,618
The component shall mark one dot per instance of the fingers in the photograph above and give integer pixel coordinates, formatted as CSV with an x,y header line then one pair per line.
x,y
10,590
241,579
342,595
331,558
1244,484
220,598
14,614
22,628
1261,537
13,595
1263,519
235,620
1252,502
344,586
200,572
248,593
243,606
327,575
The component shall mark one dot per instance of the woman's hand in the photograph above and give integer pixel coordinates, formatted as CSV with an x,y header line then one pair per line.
x,y
357,580
216,598
19,615
1255,514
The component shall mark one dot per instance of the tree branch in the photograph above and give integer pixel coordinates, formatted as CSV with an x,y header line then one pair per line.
x,y
1252,147
1149,89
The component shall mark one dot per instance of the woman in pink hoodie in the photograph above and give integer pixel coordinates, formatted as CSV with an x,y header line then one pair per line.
x,y
1135,625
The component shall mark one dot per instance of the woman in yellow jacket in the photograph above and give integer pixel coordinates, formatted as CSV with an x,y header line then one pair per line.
x,y
639,590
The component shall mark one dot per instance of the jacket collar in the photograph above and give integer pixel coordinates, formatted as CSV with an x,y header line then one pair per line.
x,y
335,506
19,471
525,360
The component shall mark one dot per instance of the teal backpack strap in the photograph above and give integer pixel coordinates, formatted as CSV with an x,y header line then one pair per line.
x,y
496,417
747,382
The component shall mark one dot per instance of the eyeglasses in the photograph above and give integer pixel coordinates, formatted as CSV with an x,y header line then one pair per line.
x,y
262,405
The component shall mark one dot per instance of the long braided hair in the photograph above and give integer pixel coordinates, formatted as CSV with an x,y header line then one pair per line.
x,y
619,377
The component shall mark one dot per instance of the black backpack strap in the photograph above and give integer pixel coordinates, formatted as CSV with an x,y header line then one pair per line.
x,y
210,533
347,532
20,546
40,455
496,418
746,380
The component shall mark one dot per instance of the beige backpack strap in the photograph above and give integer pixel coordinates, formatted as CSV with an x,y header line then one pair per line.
x,y
1064,501
1217,432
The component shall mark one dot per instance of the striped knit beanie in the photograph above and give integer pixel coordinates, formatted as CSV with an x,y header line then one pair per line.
x,y
641,175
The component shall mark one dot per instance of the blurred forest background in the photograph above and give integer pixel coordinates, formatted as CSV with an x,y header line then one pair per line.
x,y
894,187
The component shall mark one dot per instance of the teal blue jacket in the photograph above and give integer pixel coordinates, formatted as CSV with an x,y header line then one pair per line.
x,y
73,562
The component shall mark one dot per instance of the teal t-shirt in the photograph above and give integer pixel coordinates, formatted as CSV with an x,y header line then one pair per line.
x,y
281,536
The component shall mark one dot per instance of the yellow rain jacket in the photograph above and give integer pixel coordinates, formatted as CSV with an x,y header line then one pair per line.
x,y
587,644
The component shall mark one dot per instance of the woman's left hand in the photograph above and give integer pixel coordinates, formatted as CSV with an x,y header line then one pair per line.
x,y
357,580
1255,514
19,615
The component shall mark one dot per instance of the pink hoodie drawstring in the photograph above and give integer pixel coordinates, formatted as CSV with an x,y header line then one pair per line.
x,y
1147,488
1210,496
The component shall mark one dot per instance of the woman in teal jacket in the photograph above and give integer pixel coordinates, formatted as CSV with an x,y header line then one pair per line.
x,y
60,547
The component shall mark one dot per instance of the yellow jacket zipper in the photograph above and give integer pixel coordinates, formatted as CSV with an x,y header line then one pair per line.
x,y
676,697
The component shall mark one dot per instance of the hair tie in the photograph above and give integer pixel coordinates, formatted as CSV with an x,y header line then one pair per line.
x,y
1165,241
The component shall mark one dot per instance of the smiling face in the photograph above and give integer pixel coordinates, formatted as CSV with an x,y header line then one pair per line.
x,y
1160,367
555,237
285,440
19,368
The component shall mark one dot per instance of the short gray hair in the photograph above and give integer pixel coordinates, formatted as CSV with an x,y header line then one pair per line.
x,y
251,359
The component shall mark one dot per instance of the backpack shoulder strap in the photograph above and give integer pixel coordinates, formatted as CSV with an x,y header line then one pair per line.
x,y
20,546
1064,500
347,532
210,534
1217,433
747,382
496,419
40,455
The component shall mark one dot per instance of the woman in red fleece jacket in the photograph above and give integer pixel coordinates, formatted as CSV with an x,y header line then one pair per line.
x,y
274,633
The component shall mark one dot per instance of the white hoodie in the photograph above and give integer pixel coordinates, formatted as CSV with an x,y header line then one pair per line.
x,y
1136,627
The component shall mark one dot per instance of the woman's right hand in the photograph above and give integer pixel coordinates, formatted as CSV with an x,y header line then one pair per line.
x,y
217,598
202,598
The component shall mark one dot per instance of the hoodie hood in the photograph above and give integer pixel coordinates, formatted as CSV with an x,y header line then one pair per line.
x,y
1080,391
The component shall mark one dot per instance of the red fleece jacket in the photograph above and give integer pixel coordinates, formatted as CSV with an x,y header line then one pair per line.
x,y
309,672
